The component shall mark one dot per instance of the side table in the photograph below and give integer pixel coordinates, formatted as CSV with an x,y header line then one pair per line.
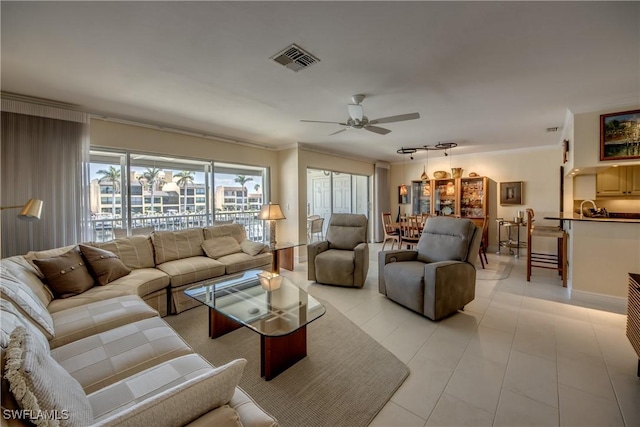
x,y
512,227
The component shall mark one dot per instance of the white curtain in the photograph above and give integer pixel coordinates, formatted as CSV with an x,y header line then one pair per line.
x,y
45,155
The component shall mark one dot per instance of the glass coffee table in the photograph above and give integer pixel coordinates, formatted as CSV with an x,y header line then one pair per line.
x,y
271,305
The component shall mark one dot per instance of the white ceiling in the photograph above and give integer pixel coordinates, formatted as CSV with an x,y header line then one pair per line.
x,y
488,75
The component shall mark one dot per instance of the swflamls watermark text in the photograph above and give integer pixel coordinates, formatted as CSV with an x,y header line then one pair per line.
x,y
28,414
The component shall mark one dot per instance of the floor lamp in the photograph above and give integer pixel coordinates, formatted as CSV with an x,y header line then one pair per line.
x,y
30,212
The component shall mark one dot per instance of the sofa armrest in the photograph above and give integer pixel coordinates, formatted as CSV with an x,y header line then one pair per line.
x,y
386,257
448,286
179,404
361,268
313,249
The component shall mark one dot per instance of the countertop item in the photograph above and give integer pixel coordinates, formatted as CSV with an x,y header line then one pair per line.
x,y
571,216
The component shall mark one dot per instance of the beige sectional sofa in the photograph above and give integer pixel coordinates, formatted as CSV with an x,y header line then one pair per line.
x,y
164,264
104,356
108,362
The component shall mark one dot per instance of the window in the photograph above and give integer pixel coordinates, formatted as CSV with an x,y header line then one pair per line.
x,y
171,193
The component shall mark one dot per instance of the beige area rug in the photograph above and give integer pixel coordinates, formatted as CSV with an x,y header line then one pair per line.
x,y
493,271
346,378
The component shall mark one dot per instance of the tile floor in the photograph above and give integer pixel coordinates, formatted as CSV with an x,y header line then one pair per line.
x,y
521,354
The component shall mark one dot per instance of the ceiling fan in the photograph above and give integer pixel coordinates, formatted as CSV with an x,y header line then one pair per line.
x,y
357,119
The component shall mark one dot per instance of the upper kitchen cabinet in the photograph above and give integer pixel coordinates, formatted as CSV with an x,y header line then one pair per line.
x,y
618,182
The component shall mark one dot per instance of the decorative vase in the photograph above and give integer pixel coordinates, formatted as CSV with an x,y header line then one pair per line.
x,y
456,172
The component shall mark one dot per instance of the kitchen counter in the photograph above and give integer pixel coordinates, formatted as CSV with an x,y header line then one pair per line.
x,y
571,216
601,253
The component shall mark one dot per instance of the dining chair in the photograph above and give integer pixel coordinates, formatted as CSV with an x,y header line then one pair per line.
x,y
391,231
409,231
310,220
482,251
557,261
316,228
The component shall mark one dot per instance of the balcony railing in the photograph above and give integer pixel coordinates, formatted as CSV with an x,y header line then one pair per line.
x,y
105,229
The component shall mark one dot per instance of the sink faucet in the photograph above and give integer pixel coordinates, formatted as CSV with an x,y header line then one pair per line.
x,y
582,204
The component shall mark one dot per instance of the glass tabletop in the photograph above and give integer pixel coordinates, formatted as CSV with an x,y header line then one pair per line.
x,y
245,297
284,245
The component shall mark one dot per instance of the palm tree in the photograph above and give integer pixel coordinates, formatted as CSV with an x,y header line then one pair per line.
x,y
185,178
111,175
257,188
242,180
152,176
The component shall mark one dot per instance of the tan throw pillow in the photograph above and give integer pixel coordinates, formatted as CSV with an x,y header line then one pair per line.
x,y
105,265
221,246
40,384
250,247
66,274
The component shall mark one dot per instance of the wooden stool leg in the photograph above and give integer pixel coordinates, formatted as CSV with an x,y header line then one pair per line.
x,y
564,259
529,258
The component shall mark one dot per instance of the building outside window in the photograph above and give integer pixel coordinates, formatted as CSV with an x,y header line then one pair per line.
x,y
170,193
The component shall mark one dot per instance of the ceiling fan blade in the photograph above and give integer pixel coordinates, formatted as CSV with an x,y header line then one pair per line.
x,y
320,121
399,118
355,111
341,130
378,130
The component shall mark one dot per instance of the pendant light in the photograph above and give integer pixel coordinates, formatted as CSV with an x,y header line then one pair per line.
x,y
424,177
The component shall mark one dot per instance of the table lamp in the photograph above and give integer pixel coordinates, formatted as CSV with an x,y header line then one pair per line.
x,y
271,213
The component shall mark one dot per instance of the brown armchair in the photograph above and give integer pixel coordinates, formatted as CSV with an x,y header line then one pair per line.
x,y
439,277
343,258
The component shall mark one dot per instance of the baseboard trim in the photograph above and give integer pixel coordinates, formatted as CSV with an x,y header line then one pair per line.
x,y
600,301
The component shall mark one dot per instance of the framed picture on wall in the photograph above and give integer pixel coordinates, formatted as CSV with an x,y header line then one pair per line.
x,y
620,135
511,193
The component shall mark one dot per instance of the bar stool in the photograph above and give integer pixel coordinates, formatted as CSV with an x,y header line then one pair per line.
x,y
556,261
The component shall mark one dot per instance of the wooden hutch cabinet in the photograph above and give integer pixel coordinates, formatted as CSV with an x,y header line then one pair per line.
x,y
459,197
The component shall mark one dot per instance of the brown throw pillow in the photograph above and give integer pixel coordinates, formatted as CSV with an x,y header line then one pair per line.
x,y
221,246
105,266
66,274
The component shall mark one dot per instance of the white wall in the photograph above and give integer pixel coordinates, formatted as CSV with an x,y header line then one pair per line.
x,y
539,168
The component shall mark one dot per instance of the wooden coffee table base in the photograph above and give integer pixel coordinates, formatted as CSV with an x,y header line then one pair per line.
x,y
277,354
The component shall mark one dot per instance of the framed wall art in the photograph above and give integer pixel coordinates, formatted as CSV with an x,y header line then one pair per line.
x,y
511,193
620,135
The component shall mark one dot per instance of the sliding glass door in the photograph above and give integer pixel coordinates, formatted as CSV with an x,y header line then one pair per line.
x,y
335,192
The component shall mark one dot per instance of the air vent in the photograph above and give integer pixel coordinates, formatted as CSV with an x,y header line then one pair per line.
x,y
555,129
295,58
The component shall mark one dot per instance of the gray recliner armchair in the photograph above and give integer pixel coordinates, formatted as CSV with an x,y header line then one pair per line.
x,y
343,258
439,277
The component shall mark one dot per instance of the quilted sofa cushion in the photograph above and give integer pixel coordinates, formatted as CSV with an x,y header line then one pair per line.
x,y
237,231
26,301
28,274
141,282
191,270
135,251
173,245
173,393
106,358
240,262
89,319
